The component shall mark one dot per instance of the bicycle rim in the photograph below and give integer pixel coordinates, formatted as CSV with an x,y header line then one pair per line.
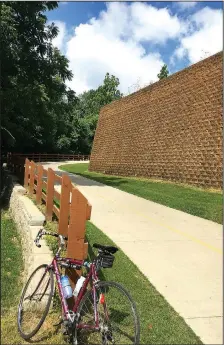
x,y
35,301
118,318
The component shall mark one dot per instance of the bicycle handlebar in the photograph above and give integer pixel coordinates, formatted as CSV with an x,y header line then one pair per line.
x,y
43,232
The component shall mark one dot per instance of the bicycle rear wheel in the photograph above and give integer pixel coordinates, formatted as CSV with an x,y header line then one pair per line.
x,y
35,301
118,318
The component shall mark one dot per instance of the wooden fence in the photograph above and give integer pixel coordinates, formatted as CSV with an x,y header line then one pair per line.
x,y
47,157
16,165
62,199
69,205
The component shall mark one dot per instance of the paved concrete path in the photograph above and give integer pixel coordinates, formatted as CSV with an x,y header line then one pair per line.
x,y
179,253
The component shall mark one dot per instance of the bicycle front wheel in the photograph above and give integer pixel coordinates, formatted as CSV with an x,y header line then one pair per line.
x,y
118,318
35,301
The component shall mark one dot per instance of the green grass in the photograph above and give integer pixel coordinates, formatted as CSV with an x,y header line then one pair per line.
x,y
11,263
160,323
12,281
196,201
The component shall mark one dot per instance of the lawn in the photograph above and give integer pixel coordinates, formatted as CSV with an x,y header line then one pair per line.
x,y
11,263
12,282
159,322
196,201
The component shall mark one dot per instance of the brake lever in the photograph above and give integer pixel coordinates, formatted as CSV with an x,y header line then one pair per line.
x,y
37,244
38,237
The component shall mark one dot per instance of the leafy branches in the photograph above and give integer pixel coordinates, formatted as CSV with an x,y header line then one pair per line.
x,y
37,107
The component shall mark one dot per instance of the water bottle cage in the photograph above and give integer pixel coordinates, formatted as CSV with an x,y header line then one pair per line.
x,y
68,265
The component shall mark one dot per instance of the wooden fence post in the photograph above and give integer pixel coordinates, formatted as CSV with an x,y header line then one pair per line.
x,y
50,193
64,205
40,172
32,173
88,211
77,224
76,231
27,168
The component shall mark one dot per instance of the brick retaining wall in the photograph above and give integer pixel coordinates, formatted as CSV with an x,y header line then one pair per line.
x,y
170,130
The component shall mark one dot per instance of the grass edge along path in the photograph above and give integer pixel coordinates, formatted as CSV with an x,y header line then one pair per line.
x,y
159,322
204,203
12,282
11,262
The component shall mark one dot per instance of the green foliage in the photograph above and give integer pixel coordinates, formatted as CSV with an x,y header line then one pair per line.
x,y
7,138
37,107
164,72
35,102
86,113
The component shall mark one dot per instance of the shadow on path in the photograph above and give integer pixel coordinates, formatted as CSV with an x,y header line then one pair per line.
x,y
98,180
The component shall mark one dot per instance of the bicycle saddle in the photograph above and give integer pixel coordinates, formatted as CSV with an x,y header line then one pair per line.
x,y
109,249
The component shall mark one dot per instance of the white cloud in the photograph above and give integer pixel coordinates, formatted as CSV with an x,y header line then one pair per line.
x,y
116,42
113,43
60,39
205,37
92,56
184,5
152,24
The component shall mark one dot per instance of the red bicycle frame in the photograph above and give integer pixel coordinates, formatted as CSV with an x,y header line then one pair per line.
x,y
92,274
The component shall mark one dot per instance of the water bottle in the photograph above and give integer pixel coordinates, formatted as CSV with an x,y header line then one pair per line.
x,y
67,290
78,286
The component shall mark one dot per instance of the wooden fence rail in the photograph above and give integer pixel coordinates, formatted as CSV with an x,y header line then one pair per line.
x,y
16,165
44,157
62,200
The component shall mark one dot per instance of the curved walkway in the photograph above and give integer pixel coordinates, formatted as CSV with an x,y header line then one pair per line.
x,y
180,254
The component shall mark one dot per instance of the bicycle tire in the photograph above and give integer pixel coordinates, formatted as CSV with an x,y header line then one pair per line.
x,y
88,294
29,335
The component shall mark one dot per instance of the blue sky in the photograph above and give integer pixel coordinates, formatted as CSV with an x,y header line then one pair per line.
x,y
133,40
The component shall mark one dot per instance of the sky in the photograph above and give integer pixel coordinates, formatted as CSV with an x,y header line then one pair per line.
x,y
132,40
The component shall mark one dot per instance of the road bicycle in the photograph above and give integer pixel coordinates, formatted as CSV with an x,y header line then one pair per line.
x,y
103,312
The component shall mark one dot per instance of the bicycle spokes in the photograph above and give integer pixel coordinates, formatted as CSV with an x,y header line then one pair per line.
x,y
35,301
116,319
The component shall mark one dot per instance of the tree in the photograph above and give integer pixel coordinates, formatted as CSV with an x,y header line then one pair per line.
x,y
86,113
164,72
37,107
35,103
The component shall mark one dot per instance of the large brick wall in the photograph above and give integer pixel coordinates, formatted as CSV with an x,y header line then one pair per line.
x,y
170,130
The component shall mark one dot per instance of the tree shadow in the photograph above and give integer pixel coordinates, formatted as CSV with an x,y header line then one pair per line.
x,y
62,162
99,181
6,188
